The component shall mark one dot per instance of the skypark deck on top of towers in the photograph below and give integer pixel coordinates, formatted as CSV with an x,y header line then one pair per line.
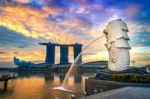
x,y
57,44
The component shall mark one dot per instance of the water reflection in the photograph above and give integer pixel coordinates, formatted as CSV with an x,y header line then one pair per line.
x,y
38,85
57,80
26,86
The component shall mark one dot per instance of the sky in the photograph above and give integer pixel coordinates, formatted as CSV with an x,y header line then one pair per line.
x,y
25,23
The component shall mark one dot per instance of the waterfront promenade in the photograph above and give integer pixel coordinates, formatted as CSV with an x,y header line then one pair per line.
x,y
123,93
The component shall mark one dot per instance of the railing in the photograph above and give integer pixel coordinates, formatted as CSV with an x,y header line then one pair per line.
x,y
8,75
5,77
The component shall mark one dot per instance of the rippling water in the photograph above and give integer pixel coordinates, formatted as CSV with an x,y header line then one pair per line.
x,y
38,85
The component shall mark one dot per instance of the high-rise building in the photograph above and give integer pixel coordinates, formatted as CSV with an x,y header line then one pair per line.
x,y
77,50
64,54
50,53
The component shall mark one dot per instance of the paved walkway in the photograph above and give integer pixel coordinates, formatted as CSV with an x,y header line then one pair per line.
x,y
123,93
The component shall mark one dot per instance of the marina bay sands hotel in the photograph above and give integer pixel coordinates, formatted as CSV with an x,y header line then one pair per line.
x,y
50,52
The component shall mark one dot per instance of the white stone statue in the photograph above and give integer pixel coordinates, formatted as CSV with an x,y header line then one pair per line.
x,y
117,45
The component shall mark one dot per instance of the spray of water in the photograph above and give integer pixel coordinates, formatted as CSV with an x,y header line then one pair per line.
x,y
71,72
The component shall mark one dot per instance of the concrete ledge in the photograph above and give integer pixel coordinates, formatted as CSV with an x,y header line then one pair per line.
x,y
123,93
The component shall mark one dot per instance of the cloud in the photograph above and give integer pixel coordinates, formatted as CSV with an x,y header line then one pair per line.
x,y
58,3
16,53
14,39
23,1
56,22
141,39
30,23
2,52
36,3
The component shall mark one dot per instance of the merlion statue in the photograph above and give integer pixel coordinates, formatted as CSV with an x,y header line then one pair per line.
x,y
117,45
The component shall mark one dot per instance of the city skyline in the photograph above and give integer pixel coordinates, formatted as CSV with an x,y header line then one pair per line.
x,y
25,23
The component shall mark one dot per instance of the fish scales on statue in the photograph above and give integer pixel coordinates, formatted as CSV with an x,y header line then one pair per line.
x,y
117,45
